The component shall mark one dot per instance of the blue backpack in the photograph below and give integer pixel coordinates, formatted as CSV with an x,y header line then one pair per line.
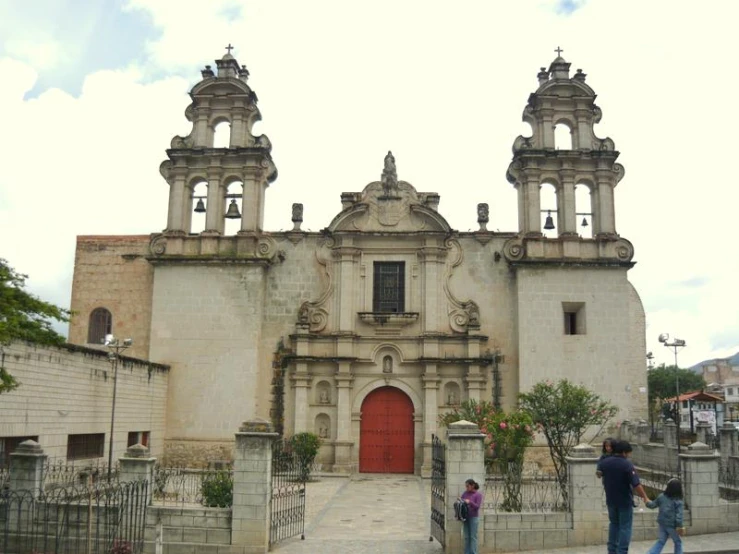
x,y
461,510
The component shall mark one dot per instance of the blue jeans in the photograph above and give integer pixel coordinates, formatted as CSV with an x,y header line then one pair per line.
x,y
619,529
470,535
665,532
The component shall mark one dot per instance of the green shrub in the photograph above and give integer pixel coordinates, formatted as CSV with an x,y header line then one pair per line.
x,y
305,447
217,489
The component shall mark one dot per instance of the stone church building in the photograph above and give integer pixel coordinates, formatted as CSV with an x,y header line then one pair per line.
x,y
367,331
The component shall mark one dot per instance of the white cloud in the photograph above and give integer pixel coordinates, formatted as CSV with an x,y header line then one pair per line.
x,y
442,86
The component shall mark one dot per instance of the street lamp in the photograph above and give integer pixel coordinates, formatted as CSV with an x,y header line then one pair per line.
x,y
675,344
115,347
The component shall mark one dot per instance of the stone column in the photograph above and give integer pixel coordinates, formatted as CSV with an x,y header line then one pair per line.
x,y
533,206
343,445
670,441
27,468
301,383
643,432
585,493
465,459
700,486
214,204
252,488
178,203
702,432
431,414
567,206
137,465
606,216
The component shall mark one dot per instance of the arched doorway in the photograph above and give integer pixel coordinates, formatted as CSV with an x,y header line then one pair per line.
x,y
386,442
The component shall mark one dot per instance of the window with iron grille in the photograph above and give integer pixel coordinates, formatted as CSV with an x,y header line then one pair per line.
x,y
101,324
389,287
82,447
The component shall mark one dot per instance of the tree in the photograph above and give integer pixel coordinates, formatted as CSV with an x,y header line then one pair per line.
x,y
661,385
563,411
23,316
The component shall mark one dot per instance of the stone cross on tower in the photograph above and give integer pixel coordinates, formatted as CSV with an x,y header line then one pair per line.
x,y
559,51
229,48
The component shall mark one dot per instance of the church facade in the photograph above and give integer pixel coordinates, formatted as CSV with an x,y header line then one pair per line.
x,y
367,331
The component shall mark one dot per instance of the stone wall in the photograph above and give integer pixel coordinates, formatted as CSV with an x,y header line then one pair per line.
x,y
188,530
69,390
112,272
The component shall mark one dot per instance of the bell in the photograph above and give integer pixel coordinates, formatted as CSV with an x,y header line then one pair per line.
x,y
233,211
549,222
200,207
584,222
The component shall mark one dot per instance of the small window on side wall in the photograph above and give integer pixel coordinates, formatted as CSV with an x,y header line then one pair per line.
x,y
100,324
574,318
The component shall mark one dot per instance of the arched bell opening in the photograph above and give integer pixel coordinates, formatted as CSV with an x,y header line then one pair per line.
x,y
584,210
233,208
549,205
562,136
198,206
222,134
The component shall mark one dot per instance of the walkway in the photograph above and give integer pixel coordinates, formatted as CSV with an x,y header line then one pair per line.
x,y
368,514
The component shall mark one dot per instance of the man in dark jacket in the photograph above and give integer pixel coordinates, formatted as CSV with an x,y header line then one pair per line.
x,y
620,481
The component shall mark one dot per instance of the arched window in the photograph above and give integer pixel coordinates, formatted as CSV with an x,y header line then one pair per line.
x,y
222,135
562,137
199,206
101,324
233,209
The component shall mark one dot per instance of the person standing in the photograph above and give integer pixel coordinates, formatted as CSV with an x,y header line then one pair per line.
x,y
473,498
670,517
620,481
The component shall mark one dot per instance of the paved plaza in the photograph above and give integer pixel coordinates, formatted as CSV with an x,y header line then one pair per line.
x,y
390,514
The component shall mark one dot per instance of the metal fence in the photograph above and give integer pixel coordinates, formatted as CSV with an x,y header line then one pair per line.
x,y
60,472
438,490
728,481
513,490
173,486
287,504
101,518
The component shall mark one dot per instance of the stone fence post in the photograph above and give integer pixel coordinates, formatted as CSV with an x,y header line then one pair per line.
x,y
700,487
137,465
27,468
670,434
465,459
585,492
643,432
728,442
252,488
624,431
702,432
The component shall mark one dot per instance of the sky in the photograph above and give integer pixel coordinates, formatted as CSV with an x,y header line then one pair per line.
x,y
93,91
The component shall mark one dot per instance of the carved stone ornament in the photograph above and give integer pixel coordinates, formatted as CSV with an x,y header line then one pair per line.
x,y
483,216
514,249
463,315
312,313
180,143
158,245
624,250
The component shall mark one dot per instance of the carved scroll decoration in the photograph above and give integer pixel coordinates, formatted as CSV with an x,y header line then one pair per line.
x,y
313,313
463,314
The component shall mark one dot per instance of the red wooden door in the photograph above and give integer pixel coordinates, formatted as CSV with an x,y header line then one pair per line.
x,y
386,432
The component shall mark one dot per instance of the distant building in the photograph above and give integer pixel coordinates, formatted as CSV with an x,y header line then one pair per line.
x,y
721,371
693,403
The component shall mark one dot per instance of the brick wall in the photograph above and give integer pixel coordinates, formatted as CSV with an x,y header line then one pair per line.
x,y
69,390
111,272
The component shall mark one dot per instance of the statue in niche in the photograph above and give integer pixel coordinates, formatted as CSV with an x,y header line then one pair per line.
x,y
387,364
390,176
451,399
323,431
324,397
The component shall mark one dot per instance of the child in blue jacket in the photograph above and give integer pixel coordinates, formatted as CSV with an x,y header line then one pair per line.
x,y
670,517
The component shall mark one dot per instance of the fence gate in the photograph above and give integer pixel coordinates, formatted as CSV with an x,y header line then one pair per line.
x,y
438,490
100,518
287,505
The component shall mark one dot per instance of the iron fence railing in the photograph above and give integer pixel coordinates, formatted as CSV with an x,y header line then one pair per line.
x,y
510,489
728,480
59,472
173,486
102,518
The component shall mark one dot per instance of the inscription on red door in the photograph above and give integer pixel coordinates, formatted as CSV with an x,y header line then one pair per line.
x,y
386,432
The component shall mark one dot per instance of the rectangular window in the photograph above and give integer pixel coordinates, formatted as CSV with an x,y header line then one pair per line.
x,y
730,392
85,446
685,403
574,318
389,287
138,437
8,446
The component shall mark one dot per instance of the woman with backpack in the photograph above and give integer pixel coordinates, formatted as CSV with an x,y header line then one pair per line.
x,y
473,498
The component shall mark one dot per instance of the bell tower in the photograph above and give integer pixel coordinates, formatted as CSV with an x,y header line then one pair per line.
x,y
563,151
221,100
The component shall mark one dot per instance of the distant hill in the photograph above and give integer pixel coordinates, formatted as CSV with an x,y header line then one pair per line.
x,y
733,360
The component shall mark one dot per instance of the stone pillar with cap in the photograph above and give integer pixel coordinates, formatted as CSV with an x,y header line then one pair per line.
x,y
729,446
252,485
702,432
138,465
465,459
27,468
700,487
643,432
585,492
